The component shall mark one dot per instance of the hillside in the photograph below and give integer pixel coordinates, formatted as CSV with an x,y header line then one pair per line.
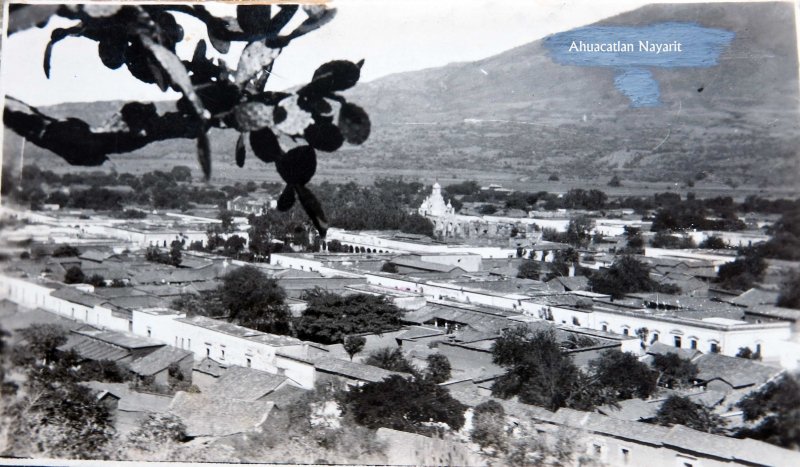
x,y
519,116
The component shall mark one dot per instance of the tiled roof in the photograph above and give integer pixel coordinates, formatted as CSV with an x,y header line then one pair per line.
x,y
368,373
754,297
71,294
573,283
738,372
788,314
92,349
132,401
476,320
220,326
134,302
663,349
422,265
416,332
217,416
631,410
677,437
158,360
95,255
124,340
246,384
210,367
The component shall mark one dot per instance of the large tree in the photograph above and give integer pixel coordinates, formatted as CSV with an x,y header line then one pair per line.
x,y
40,341
626,275
254,300
790,291
528,269
539,372
742,273
284,128
489,426
674,371
406,404
329,317
391,359
438,369
679,410
624,374
775,412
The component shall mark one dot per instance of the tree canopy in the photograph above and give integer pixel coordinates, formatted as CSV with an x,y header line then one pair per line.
x,y
674,371
626,275
528,269
539,372
405,404
329,317
353,345
790,291
74,275
774,410
624,374
391,359
679,410
255,301
438,369
742,273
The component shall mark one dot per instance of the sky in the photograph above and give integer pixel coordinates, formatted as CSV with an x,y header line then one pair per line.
x,y
390,35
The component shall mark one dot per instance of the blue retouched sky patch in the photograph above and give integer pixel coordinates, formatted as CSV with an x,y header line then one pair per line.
x,y
631,50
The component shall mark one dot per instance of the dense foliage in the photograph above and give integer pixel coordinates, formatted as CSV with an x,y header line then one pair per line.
x,y
438,370
539,372
679,410
790,291
775,412
626,275
624,375
284,128
406,404
528,269
489,426
674,371
353,345
329,317
742,273
253,300
391,359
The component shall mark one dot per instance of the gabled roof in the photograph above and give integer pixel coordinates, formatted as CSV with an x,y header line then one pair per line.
x,y
413,263
135,302
204,415
633,410
417,332
123,340
738,372
573,283
71,294
754,297
158,360
95,255
92,349
353,370
663,349
246,384
193,275
129,400
788,314
210,367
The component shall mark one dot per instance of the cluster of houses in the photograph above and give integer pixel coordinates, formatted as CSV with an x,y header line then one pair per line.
x,y
457,299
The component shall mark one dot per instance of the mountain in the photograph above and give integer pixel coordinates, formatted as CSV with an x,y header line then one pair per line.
x,y
523,111
519,116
